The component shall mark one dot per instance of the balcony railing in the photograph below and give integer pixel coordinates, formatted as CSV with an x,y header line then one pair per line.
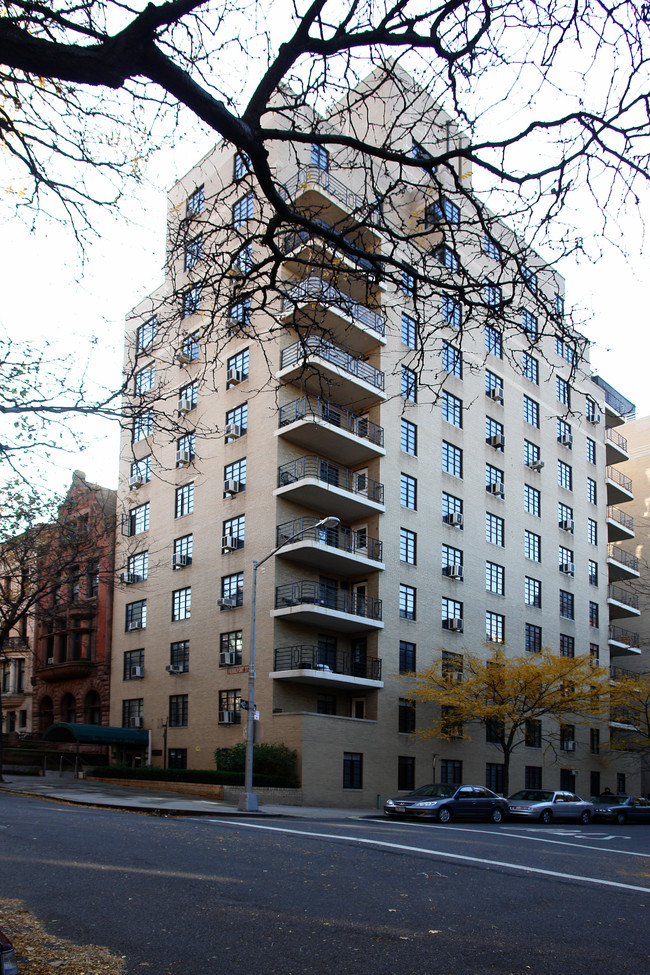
x,y
623,596
314,175
342,538
625,558
620,479
315,289
615,514
313,593
618,635
323,409
336,356
614,399
616,672
616,439
15,643
296,238
355,482
328,661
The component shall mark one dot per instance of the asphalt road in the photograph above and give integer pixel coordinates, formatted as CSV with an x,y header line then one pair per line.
x,y
297,897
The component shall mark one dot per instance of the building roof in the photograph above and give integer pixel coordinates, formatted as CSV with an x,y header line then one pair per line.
x,y
95,734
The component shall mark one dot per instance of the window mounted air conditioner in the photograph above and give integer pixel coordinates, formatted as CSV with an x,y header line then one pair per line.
x,y
569,746
234,377
227,658
128,578
183,458
454,571
174,669
498,488
134,625
179,561
226,717
183,357
50,660
595,418
229,543
568,525
137,672
135,722
453,623
566,441
496,394
455,519
226,602
498,441
568,568
231,487
184,406
536,465
233,430
135,482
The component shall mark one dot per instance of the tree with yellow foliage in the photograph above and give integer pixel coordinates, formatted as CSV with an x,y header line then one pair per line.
x,y
630,711
511,695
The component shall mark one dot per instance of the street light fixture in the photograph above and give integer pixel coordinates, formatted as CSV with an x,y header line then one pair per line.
x,y
248,800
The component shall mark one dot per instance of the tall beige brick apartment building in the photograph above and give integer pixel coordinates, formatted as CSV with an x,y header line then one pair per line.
x,y
460,439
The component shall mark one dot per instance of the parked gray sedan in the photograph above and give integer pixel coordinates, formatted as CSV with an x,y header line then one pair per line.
x,y
548,806
446,802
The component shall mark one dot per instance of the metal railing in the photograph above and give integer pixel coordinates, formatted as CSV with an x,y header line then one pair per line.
x,y
346,662
625,558
620,479
342,538
614,399
617,634
615,672
627,521
341,600
323,409
616,439
15,643
295,238
314,288
312,175
356,482
623,596
336,356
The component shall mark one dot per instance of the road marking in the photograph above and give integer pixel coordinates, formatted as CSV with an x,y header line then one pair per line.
x,y
437,853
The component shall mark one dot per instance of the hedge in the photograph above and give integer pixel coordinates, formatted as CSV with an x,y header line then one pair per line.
x,y
201,776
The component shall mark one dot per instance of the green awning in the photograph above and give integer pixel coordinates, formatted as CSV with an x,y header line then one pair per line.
x,y
96,734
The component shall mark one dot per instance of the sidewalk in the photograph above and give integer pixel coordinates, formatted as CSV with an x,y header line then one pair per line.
x,y
64,788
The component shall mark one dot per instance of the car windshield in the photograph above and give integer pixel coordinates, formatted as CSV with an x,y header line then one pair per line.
x,y
532,795
609,800
440,791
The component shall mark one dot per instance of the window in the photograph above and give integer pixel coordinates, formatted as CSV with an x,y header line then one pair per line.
x,y
179,656
593,572
531,453
531,411
592,495
142,426
137,566
447,257
185,448
181,604
232,587
137,520
235,528
409,331
565,517
493,298
406,602
494,477
533,777
451,556
183,551
559,305
442,211
562,391
132,713
239,316
532,638
493,341
236,472
529,325
533,546
452,459
136,615
564,435
494,433
243,260
352,770
238,363
229,711
529,278
195,202
406,657
193,252
241,165
565,555
530,368
592,531
236,422
491,248
230,648
142,469
408,282
242,210
495,576
409,385
533,733
144,380
494,529
567,737
178,711
407,546
188,396
177,757
191,300
566,350
532,501
494,730
567,645
451,725
133,668
620,783
320,157
451,311
451,772
190,347
591,450
408,491
406,716
452,360
451,505
405,773
590,409
452,609
145,334
564,475
452,409
593,615
452,665
532,592
594,741
184,504
408,437
567,605
495,627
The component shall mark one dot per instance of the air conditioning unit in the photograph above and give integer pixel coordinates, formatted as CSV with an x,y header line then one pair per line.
x,y
566,441
229,543
183,458
568,568
185,405
234,377
233,430
453,623
226,717
496,393
50,660
454,571
498,488
227,658
179,561
135,722
137,671
134,625
183,357
497,441
595,418
569,746
231,487
568,525
174,669
226,602
536,465
135,482
455,519
128,578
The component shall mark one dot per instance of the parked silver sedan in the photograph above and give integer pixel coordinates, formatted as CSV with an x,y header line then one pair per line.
x,y
547,806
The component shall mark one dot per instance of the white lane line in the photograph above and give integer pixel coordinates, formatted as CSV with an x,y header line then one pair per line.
x,y
436,853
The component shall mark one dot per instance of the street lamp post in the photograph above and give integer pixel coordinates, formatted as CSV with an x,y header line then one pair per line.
x,y
248,800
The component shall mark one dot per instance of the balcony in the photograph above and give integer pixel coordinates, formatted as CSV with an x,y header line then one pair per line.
x,y
310,184
314,302
622,603
619,487
622,643
620,527
324,486
15,643
65,670
618,408
620,673
340,551
615,447
342,669
319,424
621,564
312,604
317,364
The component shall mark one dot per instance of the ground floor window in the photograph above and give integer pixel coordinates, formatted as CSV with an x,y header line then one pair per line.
x,y
406,772
494,776
594,783
620,783
533,777
567,780
352,770
177,758
451,772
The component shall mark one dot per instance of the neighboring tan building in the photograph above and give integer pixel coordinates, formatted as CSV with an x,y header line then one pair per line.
x,y
472,513
16,677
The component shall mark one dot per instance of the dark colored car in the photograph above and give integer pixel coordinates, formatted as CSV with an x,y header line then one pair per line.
x,y
8,964
547,805
622,809
446,802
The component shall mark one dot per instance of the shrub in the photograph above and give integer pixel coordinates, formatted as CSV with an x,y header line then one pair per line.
x,y
268,759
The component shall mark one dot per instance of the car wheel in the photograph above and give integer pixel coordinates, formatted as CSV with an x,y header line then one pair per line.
x,y
444,815
620,818
496,815
585,817
546,816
